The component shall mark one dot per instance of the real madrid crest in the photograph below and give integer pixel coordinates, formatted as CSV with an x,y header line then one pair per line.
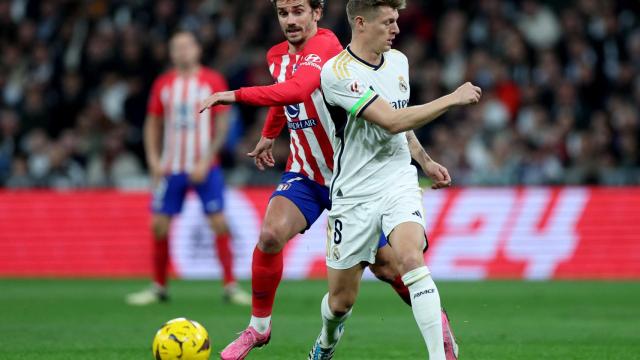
x,y
403,84
335,253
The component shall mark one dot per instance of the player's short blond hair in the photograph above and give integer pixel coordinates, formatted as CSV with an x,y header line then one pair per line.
x,y
365,8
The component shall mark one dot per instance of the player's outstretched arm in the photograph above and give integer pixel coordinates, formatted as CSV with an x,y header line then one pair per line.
x,y
298,88
293,91
438,173
399,120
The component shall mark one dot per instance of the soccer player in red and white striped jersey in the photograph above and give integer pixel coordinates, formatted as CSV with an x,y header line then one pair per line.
x,y
295,100
186,159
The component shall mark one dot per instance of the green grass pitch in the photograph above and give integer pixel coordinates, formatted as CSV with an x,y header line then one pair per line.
x,y
88,319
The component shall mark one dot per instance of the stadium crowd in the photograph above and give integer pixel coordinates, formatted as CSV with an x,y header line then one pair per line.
x,y
561,84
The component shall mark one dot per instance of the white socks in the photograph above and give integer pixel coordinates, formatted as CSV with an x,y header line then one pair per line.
x,y
261,324
330,322
425,303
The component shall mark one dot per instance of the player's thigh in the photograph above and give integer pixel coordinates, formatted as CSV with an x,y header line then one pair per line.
x,y
167,199
294,206
403,222
344,285
352,234
211,192
283,219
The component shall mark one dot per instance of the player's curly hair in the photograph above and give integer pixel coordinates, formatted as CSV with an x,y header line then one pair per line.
x,y
315,4
365,7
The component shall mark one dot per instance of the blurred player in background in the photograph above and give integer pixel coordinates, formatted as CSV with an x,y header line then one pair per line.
x,y
374,187
303,194
186,158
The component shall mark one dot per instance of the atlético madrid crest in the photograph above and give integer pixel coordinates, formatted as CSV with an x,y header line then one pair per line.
x,y
403,84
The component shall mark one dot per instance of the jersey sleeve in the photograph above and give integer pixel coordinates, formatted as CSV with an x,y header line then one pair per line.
x,y
342,89
154,106
303,82
274,123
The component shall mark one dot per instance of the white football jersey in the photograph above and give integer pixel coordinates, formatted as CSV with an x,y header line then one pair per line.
x,y
368,159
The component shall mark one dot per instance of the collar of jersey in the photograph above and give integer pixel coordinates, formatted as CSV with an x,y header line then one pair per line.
x,y
369,65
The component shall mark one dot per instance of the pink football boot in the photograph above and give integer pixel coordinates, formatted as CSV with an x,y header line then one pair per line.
x,y
248,339
450,345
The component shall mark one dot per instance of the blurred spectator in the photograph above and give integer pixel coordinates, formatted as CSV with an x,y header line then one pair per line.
x,y
8,137
36,146
63,172
20,178
114,166
561,85
539,25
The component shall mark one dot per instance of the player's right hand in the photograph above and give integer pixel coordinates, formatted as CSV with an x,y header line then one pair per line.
x,y
219,98
467,93
156,173
262,154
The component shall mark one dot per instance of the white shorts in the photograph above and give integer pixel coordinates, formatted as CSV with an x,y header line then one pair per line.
x,y
354,230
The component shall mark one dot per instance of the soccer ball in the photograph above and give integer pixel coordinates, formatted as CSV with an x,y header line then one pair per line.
x,y
182,339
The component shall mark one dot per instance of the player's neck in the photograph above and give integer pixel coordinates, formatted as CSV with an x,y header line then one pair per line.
x,y
364,52
189,71
295,48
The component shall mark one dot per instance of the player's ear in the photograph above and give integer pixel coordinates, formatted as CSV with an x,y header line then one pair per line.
x,y
317,14
359,22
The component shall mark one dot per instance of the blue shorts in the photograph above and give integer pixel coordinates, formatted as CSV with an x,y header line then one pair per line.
x,y
169,195
308,196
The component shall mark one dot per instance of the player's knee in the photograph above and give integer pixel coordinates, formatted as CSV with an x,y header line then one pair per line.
x,y
270,240
384,272
218,224
160,228
410,261
340,305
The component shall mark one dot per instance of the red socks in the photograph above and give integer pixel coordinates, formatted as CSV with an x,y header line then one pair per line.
x,y
402,290
223,248
266,272
160,261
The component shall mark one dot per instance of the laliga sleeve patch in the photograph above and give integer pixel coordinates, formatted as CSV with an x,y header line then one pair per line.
x,y
356,88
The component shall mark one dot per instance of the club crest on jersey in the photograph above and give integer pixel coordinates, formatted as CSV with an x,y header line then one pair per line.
x,y
293,110
403,84
335,253
355,87
181,118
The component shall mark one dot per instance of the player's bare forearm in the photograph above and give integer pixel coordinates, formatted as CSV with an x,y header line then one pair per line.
x,y
221,132
438,173
418,153
417,116
400,120
152,136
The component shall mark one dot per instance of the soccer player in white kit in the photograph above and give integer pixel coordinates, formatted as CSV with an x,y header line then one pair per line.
x,y
374,187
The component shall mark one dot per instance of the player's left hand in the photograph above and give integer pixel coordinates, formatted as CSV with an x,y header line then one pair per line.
x,y
219,98
199,172
438,173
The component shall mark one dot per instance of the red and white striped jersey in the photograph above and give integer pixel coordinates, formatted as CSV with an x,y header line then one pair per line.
x,y
187,132
310,125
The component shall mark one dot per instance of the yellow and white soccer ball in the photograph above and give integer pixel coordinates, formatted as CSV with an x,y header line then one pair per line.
x,y
182,339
